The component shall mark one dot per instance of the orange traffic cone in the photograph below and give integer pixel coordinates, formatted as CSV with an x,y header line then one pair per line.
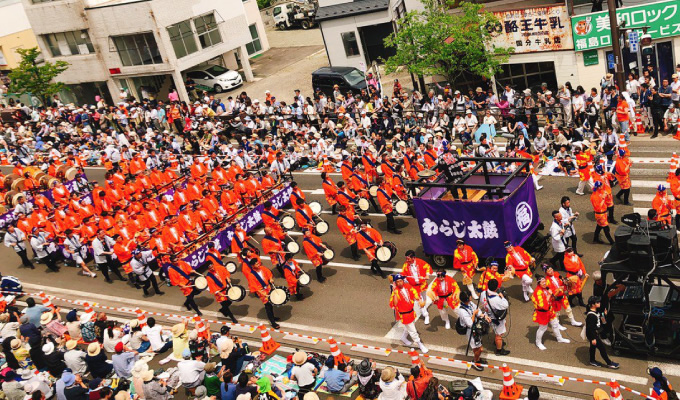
x,y
415,359
141,318
338,357
511,390
674,163
201,328
677,133
269,345
46,300
615,393
87,308
638,123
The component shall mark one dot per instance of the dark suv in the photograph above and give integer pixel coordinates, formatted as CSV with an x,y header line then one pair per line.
x,y
347,78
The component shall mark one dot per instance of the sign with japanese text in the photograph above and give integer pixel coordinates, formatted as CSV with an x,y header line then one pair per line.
x,y
590,57
592,31
533,29
484,225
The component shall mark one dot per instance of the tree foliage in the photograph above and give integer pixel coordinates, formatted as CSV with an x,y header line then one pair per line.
x,y
442,41
37,79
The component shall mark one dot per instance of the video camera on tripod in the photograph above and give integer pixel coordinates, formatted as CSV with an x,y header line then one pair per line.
x,y
642,241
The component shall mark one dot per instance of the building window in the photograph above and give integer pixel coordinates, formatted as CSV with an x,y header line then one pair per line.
x,y
349,40
140,49
182,38
69,43
254,46
3,60
208,30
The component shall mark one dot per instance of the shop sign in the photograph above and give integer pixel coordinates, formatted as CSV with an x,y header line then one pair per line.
x,y
593,31
590,58
533,29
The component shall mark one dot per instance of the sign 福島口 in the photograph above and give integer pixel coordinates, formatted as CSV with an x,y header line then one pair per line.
x,y
592,31
533,29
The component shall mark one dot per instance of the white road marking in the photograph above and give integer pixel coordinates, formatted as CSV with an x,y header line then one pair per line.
x,y
315,191
641,210
335,264
636,183
651,160
361,338
645,197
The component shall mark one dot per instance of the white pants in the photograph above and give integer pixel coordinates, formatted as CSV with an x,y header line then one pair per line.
x,y
526,284
410,329
554,324
423,310
500,328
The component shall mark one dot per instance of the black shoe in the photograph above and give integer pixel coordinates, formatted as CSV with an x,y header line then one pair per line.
x,y
233,320
200,314
355,258
123,279
477,367
579,254
299,296
595,364
31,266
160,293
613,365
396,232
108,281
598,241
615,222
275,325
581,304
502,352
322,280
628,204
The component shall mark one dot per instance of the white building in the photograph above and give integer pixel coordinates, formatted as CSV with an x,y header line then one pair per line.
x,y
143,46
353,31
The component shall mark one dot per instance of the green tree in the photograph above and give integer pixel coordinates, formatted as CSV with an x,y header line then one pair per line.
x,y
36,79
442,41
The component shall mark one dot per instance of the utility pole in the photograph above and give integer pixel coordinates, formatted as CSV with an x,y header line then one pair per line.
x,y
616,46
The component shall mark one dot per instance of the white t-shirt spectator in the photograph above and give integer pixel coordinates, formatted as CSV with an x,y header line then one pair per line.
x,y
675,87
190,370
304,374
154,336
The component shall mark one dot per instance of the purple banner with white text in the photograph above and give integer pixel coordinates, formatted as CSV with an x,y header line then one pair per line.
x,y
484,225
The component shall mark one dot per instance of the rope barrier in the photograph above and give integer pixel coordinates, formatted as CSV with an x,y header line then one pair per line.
x,y
315,340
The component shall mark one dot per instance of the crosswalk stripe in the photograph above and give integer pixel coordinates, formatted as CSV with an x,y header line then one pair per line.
x,y
646,184
646,197
651,160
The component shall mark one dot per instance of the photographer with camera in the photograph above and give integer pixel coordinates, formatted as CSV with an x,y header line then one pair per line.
x,y
472,323
495,307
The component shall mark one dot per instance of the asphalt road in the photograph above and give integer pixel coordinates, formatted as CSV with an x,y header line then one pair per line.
x,y
353,304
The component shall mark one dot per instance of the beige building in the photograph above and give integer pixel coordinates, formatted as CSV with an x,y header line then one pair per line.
x,y
145,47
15,33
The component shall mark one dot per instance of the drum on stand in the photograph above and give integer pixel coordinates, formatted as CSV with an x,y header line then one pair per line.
x,y
230,266
329,254
288,222
33,171
200,283
363,204
304,279
9,180
373,190
386,252
279,296
401,207
293,247
316,207
71,173
19,184
236,293
426,173
321,227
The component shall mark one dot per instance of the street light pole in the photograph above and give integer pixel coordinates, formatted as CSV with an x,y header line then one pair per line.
x,y
616,45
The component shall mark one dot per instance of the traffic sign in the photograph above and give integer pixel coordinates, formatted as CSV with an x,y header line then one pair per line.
x,y
610,61
634,41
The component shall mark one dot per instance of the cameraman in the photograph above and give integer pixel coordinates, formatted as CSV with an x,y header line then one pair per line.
x,y
468,313
495,307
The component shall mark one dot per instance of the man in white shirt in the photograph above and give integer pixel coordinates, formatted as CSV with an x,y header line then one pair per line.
x,y
280,166
15,239
41,248
153,333
675,90
670,120
104,257
565,100
557,231
303,372
495,306
140,264
191,372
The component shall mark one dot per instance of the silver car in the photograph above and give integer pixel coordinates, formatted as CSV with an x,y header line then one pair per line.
x,y
215,78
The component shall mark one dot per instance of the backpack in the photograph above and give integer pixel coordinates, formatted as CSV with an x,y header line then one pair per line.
x,y
460,328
